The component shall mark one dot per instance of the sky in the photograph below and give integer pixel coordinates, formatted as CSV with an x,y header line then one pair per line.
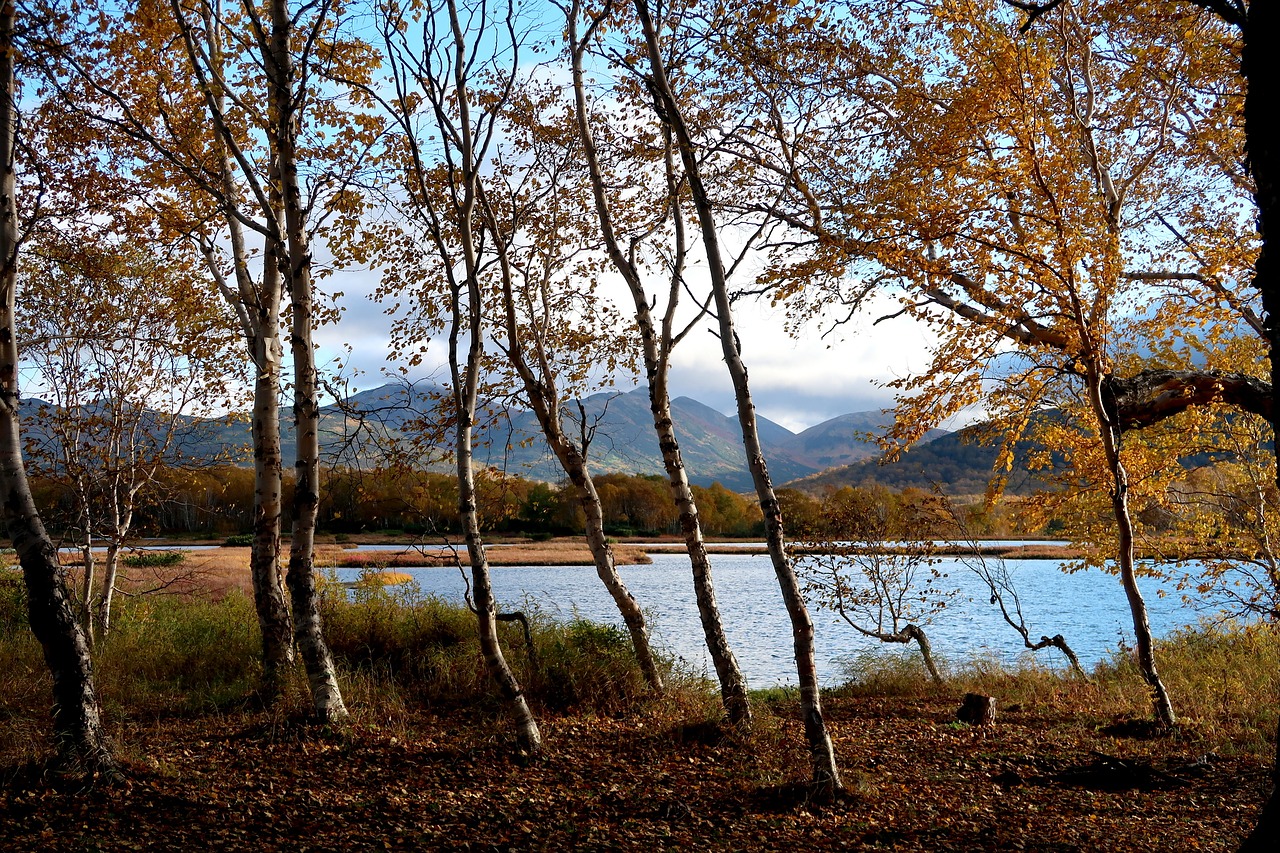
x,y
797,382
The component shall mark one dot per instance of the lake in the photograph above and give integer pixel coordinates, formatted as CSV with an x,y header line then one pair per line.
x,y
1087,608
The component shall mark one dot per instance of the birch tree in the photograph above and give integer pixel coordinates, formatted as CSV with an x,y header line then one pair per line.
x,y
78,729
624,241
437,57
225,111
559,330
126,381
670,110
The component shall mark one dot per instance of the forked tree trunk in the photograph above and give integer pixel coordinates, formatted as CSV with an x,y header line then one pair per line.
x,y
656,351
258,309
468,321
825,774
294,260
77,721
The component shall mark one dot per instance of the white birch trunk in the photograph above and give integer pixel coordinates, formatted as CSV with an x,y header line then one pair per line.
x,y
656,352
825,774
258,309
77,721
293,257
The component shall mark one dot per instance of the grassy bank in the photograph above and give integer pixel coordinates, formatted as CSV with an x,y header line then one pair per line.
x,y
426,761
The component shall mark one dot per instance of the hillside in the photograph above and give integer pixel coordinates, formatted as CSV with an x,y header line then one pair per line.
x,y
623,441
957,462
836,452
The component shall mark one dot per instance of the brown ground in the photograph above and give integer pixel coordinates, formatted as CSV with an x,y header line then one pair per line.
x,y
1038,779
215,571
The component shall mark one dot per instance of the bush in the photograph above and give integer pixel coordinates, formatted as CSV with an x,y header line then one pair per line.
x,y
585,664
238,540
154,559
885,672
164,651
428,650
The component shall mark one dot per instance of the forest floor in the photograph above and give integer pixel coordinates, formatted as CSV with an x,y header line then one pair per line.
x,y
1041,778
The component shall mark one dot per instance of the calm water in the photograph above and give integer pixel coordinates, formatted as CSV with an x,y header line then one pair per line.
x,y
1087,608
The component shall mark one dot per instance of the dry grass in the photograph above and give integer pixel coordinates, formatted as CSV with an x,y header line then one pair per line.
x,y
566,552
213,573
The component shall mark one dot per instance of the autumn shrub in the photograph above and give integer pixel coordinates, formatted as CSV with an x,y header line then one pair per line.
x,y
885,672
419,645
179,652
425,650
584,664
1223,680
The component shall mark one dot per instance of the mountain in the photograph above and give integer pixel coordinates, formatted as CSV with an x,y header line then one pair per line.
x,y
845,439
623,440
957,462
509,438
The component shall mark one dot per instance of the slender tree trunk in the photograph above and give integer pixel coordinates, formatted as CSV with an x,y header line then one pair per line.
x,y
468,321
544,399
1261,69
528,737
109,574
87,583
1109,431
294,261
258,309
575,466
915,632
269,600
77,721
733,687
825,774
466,382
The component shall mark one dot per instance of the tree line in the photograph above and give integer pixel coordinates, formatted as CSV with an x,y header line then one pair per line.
x,y
1074,196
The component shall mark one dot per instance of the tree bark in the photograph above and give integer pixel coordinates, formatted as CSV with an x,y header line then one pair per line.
x,y
258,309
80,738
656,352
545,402
466,380
1150,396
294,260
1259,24
1109,433
469,320
825,774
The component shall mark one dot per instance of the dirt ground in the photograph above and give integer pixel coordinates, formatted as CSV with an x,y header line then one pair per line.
x,y
1037,779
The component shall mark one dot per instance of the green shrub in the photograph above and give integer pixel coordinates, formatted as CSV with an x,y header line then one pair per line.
x,y
154,559
238,540
163,650
427,650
